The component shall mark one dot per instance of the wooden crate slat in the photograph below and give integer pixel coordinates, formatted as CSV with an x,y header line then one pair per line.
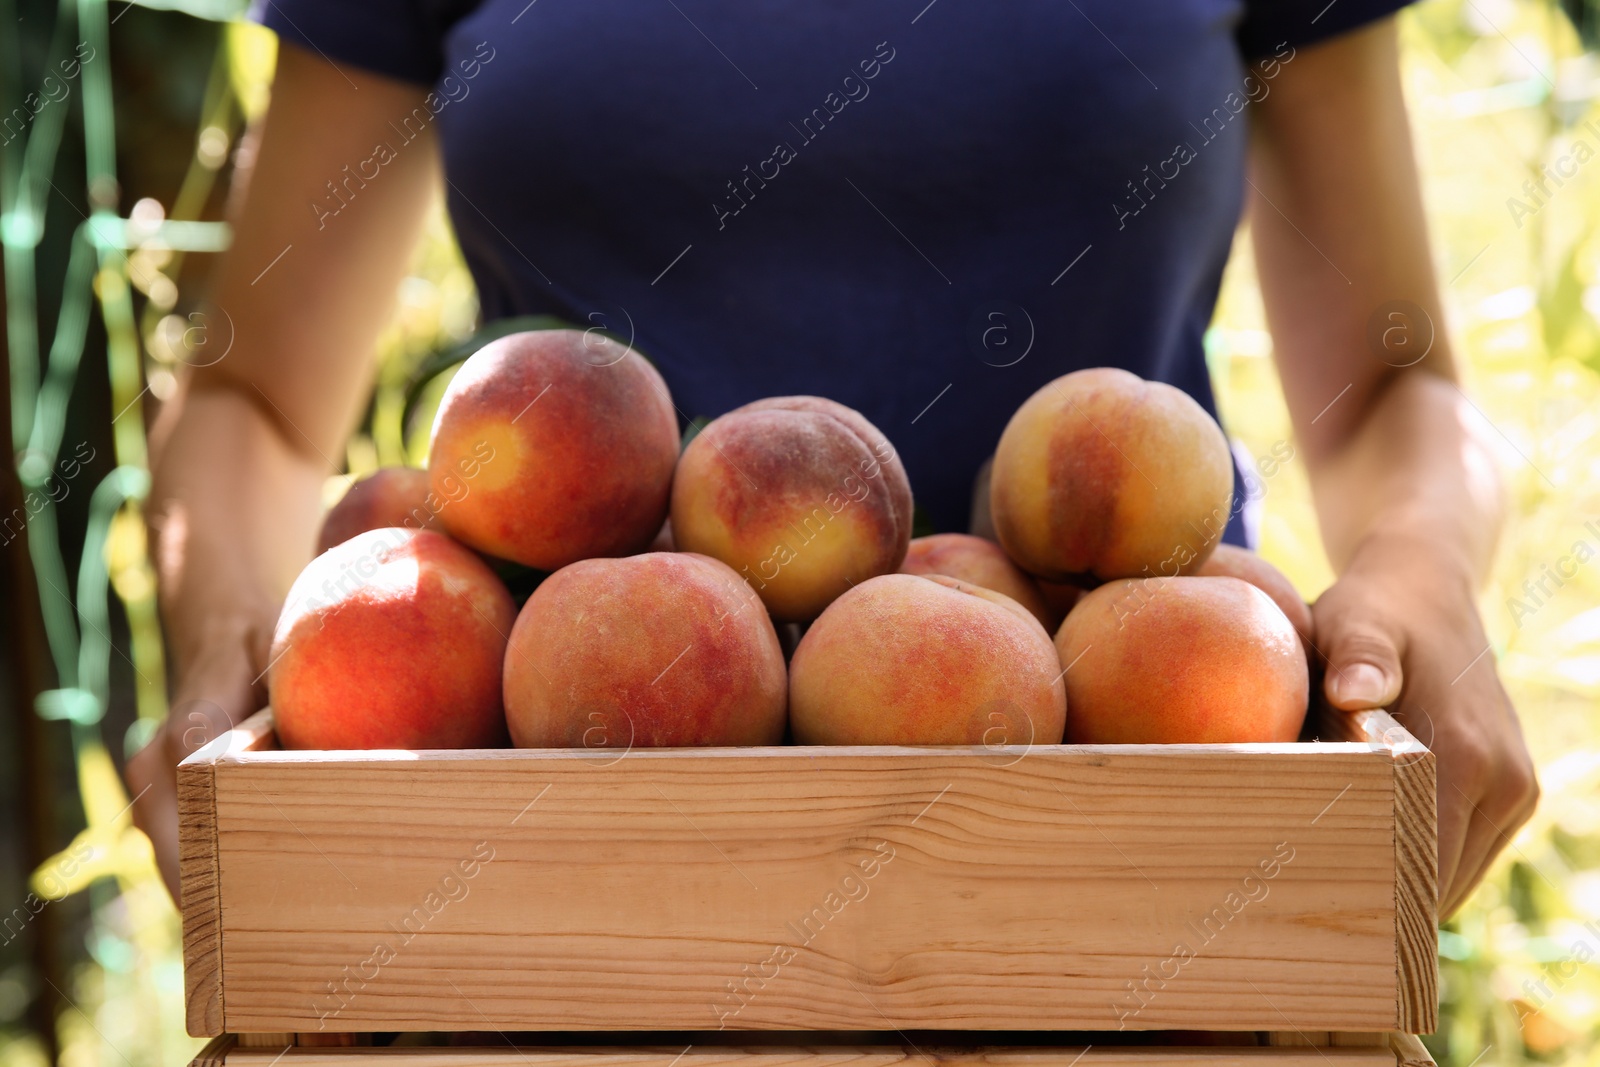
x,y
215,1052
199,875
1094,1056
1409,1051
1416,862
1415,857
629,895
202,907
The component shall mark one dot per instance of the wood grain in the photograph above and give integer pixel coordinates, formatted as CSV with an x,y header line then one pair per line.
x,y
1027,889
199,881
1416,859
1416,905
198,873
215,1052
1409,1051
801,1056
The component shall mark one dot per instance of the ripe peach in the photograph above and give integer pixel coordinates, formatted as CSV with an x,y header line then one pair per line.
x,y
981,562
1061,596
564,443
662,649
904,659
800,495
1231,561
392,639
389,496
663,539
894,472
1181,660
1101,473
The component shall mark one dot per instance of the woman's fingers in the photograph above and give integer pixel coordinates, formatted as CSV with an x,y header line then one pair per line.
x,y
152,778
218,692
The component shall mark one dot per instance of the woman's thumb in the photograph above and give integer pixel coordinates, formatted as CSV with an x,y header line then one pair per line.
x,y
1363,660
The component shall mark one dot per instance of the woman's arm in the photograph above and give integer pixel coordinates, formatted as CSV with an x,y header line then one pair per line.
x,y
1405,486
242,452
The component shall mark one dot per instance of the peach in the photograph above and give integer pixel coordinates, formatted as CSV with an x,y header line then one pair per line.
x,y
662,649
1061,596
389,496
663,539
391,639
894,472
554,446
1231,561
1181,660
981,562
905,659
802,496
1103,474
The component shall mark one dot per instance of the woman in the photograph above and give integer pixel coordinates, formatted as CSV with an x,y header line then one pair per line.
x,y
924,210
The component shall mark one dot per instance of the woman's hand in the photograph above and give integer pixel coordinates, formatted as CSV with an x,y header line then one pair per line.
x,y
213,694
1402,632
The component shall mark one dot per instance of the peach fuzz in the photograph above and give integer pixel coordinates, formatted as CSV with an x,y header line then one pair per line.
x,y
1231,561
894,474
389,496
978,561
392,639
663,649
909,660
801,496
1102,474
554,446
1181,660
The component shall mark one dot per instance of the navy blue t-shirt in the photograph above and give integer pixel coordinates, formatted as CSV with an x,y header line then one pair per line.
x,y
924,210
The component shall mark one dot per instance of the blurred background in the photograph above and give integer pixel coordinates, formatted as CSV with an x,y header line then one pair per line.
x,y
119,130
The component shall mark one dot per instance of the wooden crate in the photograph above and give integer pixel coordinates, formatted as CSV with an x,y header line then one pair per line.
x,y
1284,887
1265,1050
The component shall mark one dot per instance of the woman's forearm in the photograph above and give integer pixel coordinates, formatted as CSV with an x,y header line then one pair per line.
x,y
1395,451
242,452
1417,473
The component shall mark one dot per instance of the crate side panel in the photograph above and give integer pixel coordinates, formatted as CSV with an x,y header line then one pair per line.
x,y
198,874
1093,1056
1061,890
1416,860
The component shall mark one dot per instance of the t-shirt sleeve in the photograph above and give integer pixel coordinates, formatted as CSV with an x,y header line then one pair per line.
x,y
400,38
1269,24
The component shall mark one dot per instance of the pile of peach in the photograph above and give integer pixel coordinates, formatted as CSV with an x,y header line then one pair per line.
x,y
764,584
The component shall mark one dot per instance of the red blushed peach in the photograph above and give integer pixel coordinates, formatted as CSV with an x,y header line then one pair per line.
x,y
909,660
1103,474
1231,561
802,496
662,649
895,479
1181,660
554,446
389,496
978,562
391,639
